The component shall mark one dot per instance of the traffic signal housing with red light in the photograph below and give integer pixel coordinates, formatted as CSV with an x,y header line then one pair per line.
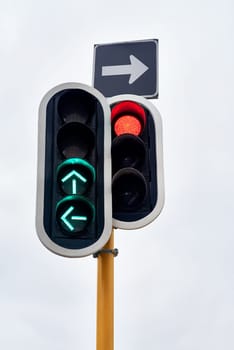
x,y
74,211
137,161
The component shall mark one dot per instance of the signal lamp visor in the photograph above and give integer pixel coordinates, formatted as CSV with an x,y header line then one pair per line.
x,y
128,118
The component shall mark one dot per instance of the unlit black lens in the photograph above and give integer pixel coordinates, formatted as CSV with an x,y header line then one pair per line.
x,y
128,189
75,140
127,151
76,105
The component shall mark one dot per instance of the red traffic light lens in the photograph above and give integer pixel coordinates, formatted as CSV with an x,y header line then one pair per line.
x,y
127,124
128,118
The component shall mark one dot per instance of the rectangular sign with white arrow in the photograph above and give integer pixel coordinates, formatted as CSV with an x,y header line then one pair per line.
x,y
127,68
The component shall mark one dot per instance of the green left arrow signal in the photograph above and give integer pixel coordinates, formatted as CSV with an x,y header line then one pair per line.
x,y
67,220
74,213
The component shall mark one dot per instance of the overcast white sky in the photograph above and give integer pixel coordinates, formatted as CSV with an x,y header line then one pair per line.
x,y
174,280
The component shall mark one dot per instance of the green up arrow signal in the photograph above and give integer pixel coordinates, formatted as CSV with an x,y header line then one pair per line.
x,y
75,176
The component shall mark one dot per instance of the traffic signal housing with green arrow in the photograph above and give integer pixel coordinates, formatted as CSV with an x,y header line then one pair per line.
x,y
74,211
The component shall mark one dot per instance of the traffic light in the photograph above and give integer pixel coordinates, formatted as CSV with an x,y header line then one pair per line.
x,y
137,161
74,207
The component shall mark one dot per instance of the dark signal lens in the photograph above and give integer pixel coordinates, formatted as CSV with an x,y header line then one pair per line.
x,y
75,140
76,106
127,151
128,190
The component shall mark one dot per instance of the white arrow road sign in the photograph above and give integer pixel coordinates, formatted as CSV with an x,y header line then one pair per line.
x,y
135,69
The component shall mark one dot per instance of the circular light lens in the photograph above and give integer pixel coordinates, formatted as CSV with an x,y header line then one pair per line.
x,y
75,140
76,105
127,124
127,151
75,176
128,117
74,214
128,190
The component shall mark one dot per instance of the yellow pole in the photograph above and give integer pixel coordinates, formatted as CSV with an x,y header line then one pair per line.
x,y
105,297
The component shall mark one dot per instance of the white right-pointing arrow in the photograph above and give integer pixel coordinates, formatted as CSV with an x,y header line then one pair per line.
x,y
135,69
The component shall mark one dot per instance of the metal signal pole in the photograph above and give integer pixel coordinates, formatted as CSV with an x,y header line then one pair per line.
x,y
105,296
